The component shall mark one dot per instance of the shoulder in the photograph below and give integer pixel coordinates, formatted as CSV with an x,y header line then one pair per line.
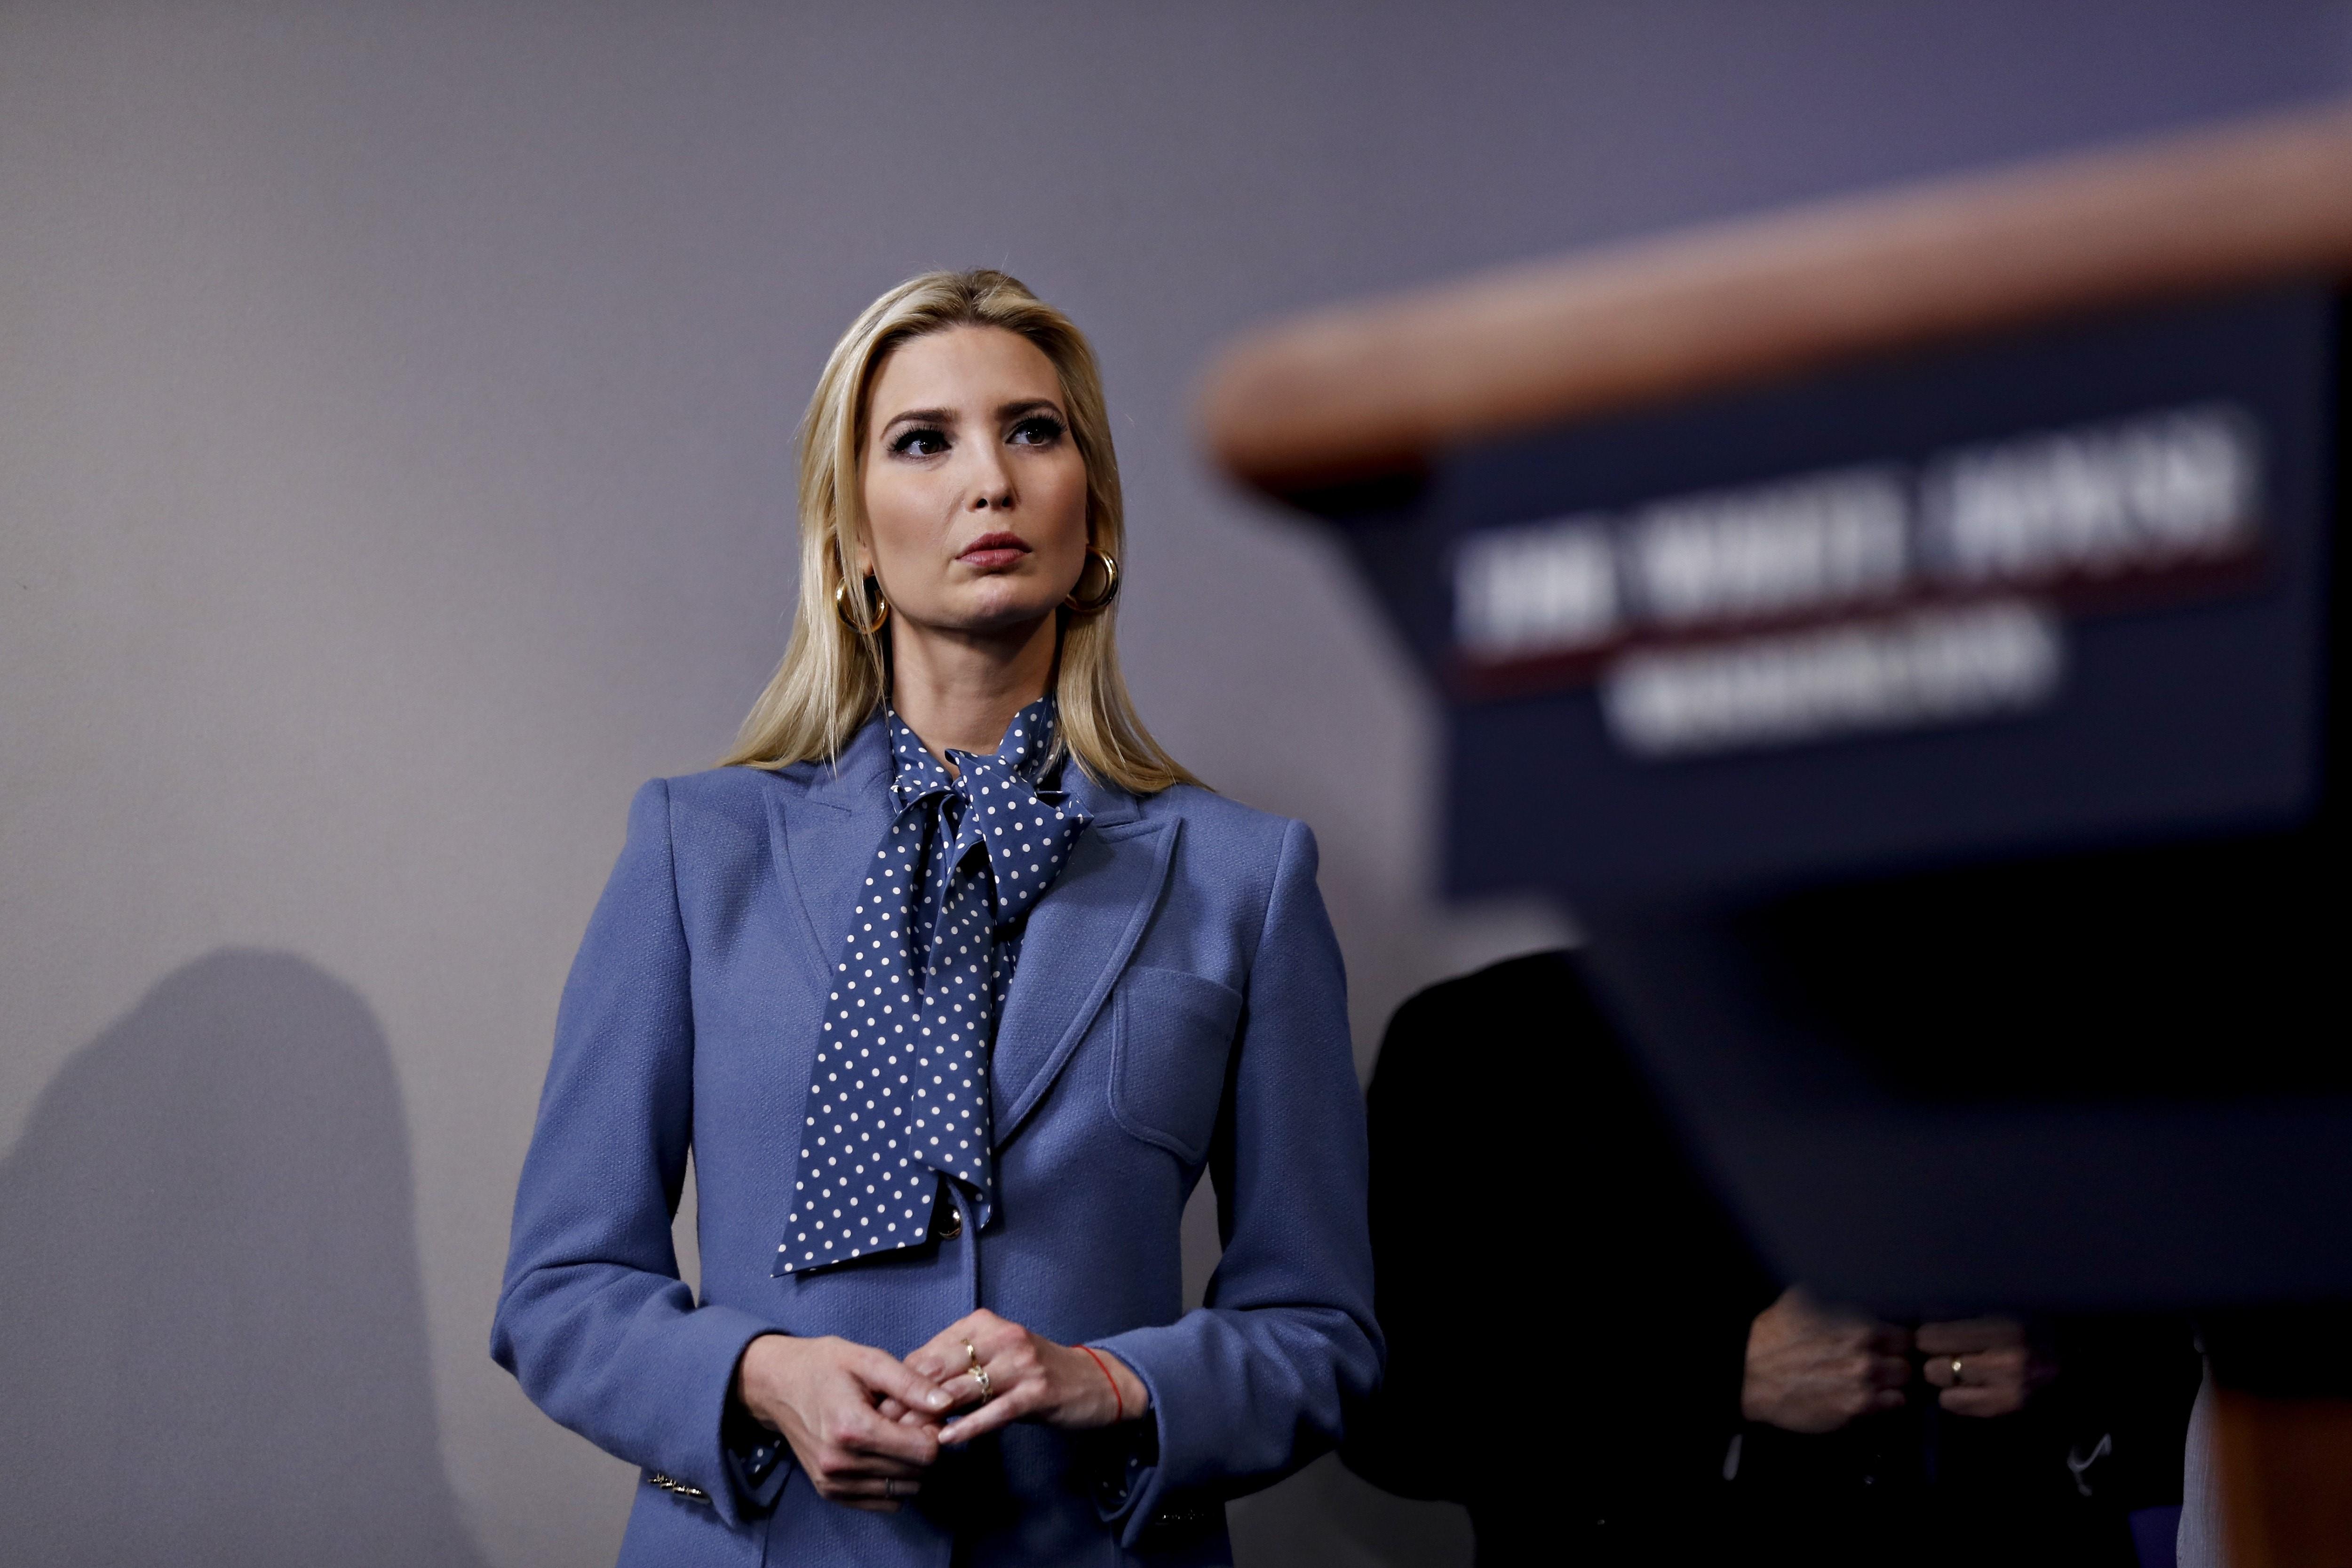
x,y
716,815
1536,1013
1217,825
1234,847
1546,985
1508,984
714,795
726,792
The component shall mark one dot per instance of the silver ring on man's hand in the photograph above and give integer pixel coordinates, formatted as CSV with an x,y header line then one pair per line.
x,y
1955,1371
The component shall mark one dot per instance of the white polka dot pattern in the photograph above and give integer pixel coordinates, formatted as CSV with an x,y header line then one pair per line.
x,y
900,1095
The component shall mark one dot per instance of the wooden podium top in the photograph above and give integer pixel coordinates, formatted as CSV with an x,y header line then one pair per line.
x,y
1369,388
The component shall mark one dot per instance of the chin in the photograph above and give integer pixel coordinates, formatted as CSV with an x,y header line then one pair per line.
x,y
1004,609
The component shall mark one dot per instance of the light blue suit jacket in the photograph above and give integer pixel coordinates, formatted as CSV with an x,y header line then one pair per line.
x,y
1179,1006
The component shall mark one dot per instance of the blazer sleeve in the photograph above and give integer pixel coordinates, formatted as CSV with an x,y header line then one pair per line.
x,y
1254,1383
592,1320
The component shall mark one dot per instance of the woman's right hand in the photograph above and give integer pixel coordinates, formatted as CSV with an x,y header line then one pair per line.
x,y
826,1397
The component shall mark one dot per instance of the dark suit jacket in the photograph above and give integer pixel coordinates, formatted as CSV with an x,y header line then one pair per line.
x,y
1567,1307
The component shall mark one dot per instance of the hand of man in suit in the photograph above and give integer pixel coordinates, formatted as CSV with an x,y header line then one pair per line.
x,y
1812,1368
1998,1366
828,1397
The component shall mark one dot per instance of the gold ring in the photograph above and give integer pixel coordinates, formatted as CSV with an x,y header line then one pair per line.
x,y
1955,1371
979,1375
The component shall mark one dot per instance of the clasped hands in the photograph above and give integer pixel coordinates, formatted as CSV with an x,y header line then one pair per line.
x,y
866,1426
1812,1368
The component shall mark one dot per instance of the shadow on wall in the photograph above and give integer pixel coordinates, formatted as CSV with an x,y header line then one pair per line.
x,y
212,1326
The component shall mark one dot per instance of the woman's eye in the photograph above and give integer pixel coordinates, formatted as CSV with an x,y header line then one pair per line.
x,y
1039,430
921,442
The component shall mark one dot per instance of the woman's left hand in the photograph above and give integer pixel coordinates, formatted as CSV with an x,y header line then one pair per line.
x,y
1027,1378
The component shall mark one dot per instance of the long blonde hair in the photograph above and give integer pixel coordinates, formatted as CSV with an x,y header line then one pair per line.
x,y
833,675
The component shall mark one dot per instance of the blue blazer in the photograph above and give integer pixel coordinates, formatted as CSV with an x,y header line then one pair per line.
x,y
1179,1007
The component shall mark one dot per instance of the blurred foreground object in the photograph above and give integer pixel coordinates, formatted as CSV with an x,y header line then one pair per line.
x,y
1917,608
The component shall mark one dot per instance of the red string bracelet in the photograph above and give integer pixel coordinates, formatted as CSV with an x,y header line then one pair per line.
x,y
1115,1396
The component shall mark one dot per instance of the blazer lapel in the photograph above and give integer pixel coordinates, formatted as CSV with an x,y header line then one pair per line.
x,y
1080,938
824,833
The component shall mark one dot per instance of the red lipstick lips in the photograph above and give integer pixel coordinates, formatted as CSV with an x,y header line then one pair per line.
x,y
994,552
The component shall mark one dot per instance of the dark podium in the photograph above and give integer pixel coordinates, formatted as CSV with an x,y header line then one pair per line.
x,y
1919,609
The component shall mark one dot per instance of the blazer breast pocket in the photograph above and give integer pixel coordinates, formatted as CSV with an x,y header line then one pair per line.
x,y
1174,1033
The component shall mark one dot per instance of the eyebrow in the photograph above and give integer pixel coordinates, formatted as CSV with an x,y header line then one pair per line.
x,y
948,416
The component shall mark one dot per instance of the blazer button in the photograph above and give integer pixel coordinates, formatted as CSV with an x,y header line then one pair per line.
x,y
948,1223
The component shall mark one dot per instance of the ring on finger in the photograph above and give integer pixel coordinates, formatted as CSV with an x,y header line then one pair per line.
x,y
979,1375
1955,1371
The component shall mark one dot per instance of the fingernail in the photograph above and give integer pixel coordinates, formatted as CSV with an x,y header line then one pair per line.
x,y
938,1398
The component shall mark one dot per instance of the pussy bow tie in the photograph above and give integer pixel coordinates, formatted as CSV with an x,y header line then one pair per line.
x,y
900,1096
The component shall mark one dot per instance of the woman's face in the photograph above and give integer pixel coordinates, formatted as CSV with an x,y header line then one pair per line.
x,y
975,493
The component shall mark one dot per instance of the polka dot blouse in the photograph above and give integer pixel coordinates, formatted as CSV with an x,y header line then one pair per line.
x,y
900,1101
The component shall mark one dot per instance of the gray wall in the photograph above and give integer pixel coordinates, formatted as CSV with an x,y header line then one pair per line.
x,y
394,403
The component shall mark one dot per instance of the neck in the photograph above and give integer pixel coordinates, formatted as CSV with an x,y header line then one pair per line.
x,y
961,689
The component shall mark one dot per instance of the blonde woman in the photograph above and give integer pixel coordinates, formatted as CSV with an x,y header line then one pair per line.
x,y
954,984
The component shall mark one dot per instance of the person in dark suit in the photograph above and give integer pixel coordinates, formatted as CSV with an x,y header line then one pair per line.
x,y
1530,1200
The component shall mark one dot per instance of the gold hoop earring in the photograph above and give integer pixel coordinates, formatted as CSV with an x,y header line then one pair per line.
x,y
841,608
1101,601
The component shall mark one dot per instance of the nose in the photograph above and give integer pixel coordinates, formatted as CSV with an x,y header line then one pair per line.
x,y
992,485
